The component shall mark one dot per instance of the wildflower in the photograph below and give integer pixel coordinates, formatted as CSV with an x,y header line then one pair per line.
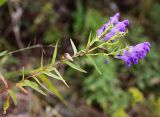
x,y
118,27
134,53
113,20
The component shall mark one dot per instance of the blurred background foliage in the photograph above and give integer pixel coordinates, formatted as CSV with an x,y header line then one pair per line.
x,y
118,91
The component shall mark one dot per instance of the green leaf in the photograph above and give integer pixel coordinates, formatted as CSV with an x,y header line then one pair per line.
x,y
42,60
13,96
57,72
89,39
61,77
51,87
23,73
41,84
94,64
33,85
2,2
54,53
68,56
58,76
6,105
3,53
53,75
74,47
74,66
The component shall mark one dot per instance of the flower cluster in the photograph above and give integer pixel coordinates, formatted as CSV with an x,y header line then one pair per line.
x,y
134,53
118,27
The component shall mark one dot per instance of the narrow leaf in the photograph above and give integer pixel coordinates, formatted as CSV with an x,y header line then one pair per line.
x,y
13,96
6,104
4,52
68,56
58,76
3,80
42,60
32,85
89,39
41,84
53,75
23,73
94,64
74,66
54,53
51,87
61,77
21,88
74,47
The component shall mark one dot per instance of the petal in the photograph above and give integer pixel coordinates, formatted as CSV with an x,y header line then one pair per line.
x,y
135,60
109,35
101,30
114,19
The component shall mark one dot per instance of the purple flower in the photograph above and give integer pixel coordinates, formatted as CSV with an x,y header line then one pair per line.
x,y
113,20
134,53
118,27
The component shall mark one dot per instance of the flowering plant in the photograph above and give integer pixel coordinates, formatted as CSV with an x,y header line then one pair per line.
x,y
105,43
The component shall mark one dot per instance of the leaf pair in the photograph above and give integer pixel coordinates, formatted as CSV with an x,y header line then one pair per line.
x,y
57,76
33,85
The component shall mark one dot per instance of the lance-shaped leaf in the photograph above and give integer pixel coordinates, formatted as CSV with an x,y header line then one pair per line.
x,y
21,88
53,75
58,76
89,39
4,52
68,56
41,84
42,60
54,53
61,77
33,85
23,73
94,64
74,66
3,80
50,86
74,47
13,96
6,105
